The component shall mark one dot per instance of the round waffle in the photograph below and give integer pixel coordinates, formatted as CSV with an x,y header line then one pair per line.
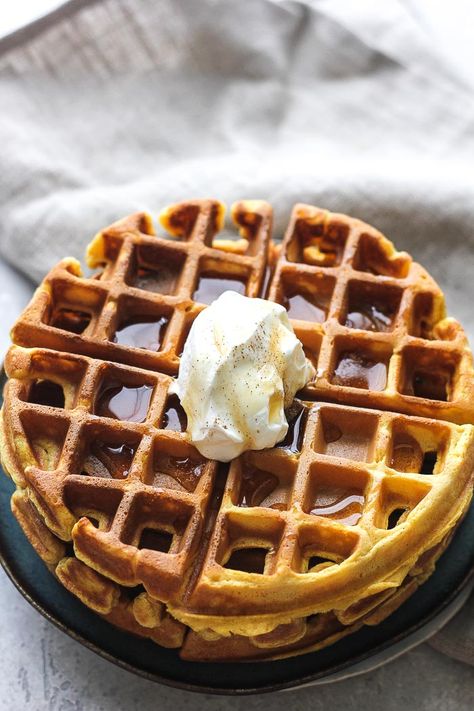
x,y
283,550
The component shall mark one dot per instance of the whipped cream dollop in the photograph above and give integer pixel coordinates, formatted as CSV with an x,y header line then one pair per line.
x,y
241,367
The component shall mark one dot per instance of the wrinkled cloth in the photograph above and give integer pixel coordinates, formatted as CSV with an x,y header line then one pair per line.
x,y
122,105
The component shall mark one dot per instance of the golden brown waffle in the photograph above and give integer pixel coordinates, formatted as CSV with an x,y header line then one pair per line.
x,y
139,307
134,610
286,549
372,321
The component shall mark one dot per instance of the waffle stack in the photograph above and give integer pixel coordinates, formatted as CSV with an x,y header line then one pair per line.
x,y
284,550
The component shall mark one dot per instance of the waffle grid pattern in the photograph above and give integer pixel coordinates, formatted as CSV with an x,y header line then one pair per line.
x,y
349,266
143,497
254,549
107,517
293,525
113,298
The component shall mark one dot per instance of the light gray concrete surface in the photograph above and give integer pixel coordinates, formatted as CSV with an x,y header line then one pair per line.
x,y
15,292
44,670
41,669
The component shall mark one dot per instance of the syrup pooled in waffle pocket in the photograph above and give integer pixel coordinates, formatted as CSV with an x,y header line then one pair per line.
x,y
281,550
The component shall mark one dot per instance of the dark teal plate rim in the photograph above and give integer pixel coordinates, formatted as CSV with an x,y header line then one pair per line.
x,y
39,587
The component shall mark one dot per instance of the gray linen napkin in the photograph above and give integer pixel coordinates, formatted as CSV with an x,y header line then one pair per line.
x,y
114,106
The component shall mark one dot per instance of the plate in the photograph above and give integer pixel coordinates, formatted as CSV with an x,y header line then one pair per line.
x,y
431,605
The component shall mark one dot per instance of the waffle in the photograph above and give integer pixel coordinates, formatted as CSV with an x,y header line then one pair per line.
x,y
372,320
284,550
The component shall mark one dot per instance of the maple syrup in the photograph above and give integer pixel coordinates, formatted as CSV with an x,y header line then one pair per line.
x,y
174,417
356,371
108,461
142,332
407,455
211,287
260,488
183,471
369,318
160,281
296,416
307,307
123,402
341,505
70,320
